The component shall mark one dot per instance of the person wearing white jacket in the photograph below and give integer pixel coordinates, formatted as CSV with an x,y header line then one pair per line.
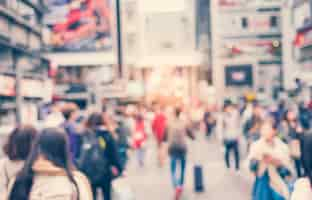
x,y
303,187
229,131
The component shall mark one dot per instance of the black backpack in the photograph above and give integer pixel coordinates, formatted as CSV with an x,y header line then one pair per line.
x,y
93,161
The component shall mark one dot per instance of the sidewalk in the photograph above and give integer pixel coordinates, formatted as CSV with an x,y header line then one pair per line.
x,y
153,182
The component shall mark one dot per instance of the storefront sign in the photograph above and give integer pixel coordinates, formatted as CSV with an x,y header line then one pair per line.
x,y
240,75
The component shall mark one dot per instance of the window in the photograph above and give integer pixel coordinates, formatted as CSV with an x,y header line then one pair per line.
x,y
244,22
273,21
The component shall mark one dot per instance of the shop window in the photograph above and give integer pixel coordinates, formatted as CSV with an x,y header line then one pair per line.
x,y
244,22
273,21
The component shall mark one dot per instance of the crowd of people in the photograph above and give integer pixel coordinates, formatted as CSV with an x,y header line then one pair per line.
x,y
278,137
74,154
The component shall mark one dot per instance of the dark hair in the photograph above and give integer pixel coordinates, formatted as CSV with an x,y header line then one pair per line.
x,y
177,112
95,120
20,142
68,113
52,144
306,151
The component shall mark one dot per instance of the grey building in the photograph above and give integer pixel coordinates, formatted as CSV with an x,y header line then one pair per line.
x,y
23,71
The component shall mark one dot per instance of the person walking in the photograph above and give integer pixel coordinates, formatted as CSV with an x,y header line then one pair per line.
x,y
159,125
230,131
269,159
303,186
177,136
252,126
291,132
209,121
139,139
16,151
70,127
124,133
99,158
49,173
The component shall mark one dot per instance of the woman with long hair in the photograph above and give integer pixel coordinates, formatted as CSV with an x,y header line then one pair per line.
x,y
270,161
16,151
48,172
303,187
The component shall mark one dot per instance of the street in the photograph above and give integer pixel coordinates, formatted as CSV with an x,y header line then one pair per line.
x,y
154,182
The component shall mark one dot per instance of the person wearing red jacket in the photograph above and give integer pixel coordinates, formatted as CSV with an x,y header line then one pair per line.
x,y
139,139
159,129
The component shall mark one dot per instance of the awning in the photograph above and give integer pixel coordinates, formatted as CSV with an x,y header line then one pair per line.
x,y
191,59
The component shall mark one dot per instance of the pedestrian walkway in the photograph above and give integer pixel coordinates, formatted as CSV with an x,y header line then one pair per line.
x,y
153,183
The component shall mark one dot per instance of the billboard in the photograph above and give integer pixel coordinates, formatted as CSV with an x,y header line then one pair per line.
x,y
80,25
239,75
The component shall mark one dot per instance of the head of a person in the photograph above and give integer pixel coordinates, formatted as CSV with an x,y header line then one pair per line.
x,y
139,118
177,112
51,145
268,130
228,106
290,116
257,110
69,114
95,120
20,143
306,149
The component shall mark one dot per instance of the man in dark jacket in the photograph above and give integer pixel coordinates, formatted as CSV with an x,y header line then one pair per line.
x,y
107,143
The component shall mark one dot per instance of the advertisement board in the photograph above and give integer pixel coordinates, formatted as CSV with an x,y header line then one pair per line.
x,y
80,25
239,75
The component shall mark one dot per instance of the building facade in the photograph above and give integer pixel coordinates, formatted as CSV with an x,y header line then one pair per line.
x,y
298,45
165,46
82,41
23,70
246,47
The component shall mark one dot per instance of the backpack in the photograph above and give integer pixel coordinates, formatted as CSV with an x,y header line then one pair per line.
x,y
93,162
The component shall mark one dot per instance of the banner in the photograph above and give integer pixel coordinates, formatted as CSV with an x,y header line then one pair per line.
x,y
239,75
80,25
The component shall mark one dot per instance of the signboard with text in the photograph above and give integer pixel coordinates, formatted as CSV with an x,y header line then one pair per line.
x,y
239,75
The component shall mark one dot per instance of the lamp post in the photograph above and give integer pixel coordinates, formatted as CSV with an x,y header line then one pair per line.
x,y
18,93
119,38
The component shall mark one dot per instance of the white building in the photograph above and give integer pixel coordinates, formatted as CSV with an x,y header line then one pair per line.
x,y
246,46
160,43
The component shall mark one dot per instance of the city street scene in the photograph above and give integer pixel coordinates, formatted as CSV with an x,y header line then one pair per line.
x,y
155,99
